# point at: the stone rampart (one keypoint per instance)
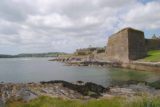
(126, 45)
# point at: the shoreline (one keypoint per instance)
(79, 90)
(135, 65)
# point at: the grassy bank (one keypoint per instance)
(153, 56)
(111, 102)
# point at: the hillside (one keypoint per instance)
(153, 56)
(49, 54)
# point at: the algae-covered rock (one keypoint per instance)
(155, 84)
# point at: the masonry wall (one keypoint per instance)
(117, 47)
(128, 44)
(152, 44)
(136, 43)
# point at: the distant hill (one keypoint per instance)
(49, 54)
(6, 56)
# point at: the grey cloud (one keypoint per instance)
(9, 28)
(64, 25)
(15, 11)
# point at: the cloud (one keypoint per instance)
(14, 10)
(144, 16)
(65, 25)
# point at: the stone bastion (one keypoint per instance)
(129, 44)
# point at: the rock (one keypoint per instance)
(2, 104)
(95, 88)
(82, 89)
(122, 91)
(155, 84)
(59, 88)
(26, 95)
(80, 82)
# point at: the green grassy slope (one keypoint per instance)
(153, 56)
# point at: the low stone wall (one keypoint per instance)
(142, 66)
(152, 44)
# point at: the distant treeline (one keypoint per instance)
(49, 54)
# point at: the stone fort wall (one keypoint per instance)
(129, 44)
(117, 47)
(136, 44)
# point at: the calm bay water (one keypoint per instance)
(40, 69)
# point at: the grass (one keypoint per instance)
(153, 56)
(144, 102)
(110, 102)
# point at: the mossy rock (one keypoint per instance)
(155, 84)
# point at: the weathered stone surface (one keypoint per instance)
(117, 47)
(125, 45)
(26, 95)
(85, 89)
(122, 91)
(1, 103)
(136, 44)
(155, 84)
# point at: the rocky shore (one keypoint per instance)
(78, 90)
(84, 61)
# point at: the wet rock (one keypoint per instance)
(80, 82)
(95, 88)
(155, 84)
(85, 89)
(80, 90)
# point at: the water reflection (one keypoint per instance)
(122, 75)
(40, 69)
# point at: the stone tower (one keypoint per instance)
(126, 45)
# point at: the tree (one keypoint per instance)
(154, 37)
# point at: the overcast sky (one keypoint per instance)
(65, 25)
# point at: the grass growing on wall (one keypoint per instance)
(110, 102)
(153, 56)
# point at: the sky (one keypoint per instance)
(28, 26)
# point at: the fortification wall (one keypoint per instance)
(152, 44)
(126, 45)
(136, 43)
(117, 47)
